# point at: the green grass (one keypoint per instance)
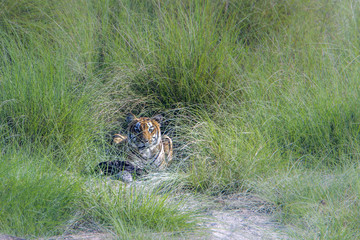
(40, 199)
(323, 206)
(132, 212)
(36, 197)
(258, 96)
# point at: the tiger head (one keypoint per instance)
(143, 132)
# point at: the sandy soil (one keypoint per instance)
(240, 217)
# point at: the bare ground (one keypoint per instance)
(242, 216)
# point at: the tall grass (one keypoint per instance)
(50, 92)
(260, 96)
(183, 52)
(53, 114)
(296, 128)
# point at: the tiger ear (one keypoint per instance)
(130, 117)
(159, 118)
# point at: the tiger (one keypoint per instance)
(144, 147)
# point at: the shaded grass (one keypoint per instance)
(183, 52)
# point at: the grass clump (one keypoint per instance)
(324, 204)
(36, 198)
(136, 213)
(45, 98)
(182, 52)
(220, 163)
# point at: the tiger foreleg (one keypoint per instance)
(168, 149)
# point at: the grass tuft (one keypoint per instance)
(36, 198)
(132, 213)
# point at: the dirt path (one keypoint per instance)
(233, 217)
(240, 217)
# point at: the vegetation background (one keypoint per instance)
(259, 96)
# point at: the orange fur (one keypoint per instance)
(145, 146)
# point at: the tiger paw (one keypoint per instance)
(124, 176)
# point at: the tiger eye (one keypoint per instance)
(137, 127)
